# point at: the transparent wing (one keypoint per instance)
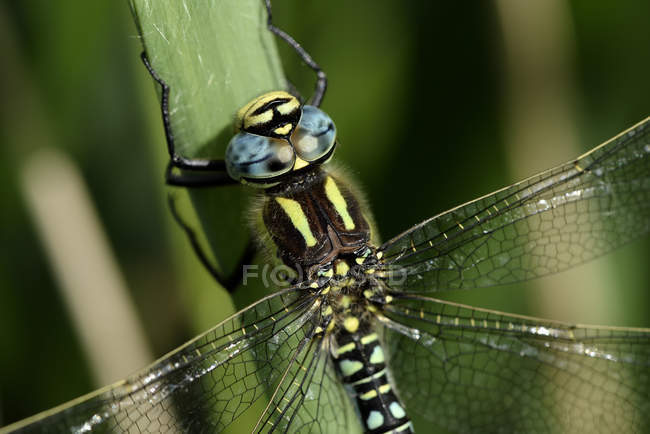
(310, 398)
(210, 381)
(547, 223)
(474, 370)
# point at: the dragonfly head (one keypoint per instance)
(276, 136)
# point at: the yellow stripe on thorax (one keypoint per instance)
(336, 198)
(298, 219)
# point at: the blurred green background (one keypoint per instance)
(435, 105)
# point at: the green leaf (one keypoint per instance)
(216, 56)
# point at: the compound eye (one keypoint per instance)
(258, 157)
(315, 134)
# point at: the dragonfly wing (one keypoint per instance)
(310, 398)
(204, 385)
(475, 370)
(545, 224)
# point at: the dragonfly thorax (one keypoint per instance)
(312, 220)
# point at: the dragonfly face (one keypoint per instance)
(277, 136)
(359, 343)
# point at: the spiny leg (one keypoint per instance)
(231, 282)
(194, 179)
(176, 159)
(321, 77)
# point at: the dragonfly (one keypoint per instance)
(356, 340)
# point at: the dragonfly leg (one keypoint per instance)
(177, 160)
(230, 282)
(197, 179)
(321, 77)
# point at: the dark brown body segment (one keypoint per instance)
(330, 235)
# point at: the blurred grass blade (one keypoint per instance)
(89, 278)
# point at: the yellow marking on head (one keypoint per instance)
(359, 260)
(318, 330)
(368, 395)
(388, 298)
(351, 324)
(328, 311)
(384, 388)
(300, 163)
(377, 355)
(370, 271)
(342, 268)
(345, 349)
(288, 106)
(368, 293)
(369, 338)
(283, 130)
(262, 118)
(258, 102)
(314, 285)
(379, 255)
(336, 198)
(298, 219)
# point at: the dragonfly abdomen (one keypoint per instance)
(359, 359)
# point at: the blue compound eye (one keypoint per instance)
(315, 134)
(257, 157)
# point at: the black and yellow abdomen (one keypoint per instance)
(359, 359)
